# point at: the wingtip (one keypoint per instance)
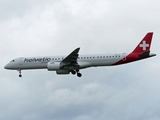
(78, 48)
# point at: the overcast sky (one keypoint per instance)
(57, 27)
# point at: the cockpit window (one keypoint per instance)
(12, 60)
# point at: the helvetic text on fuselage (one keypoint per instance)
(41, 60)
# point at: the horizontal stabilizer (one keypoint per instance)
(144, 54)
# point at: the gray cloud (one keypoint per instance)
(33, 28)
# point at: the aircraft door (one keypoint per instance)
(123, 56)
(21, 61)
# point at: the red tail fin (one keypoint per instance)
(145, 44)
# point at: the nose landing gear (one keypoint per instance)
(20, 75)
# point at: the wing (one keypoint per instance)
(71, 59)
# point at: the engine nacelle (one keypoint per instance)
(61, 72)
(53, 66)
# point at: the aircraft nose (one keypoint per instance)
(6, 66)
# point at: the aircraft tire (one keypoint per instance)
(73, 72)
(79, 74)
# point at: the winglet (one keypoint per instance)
(145, 44)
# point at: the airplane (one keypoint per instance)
(74, 62)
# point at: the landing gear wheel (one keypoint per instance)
(20, 75)
(73, 72)
(79, 74)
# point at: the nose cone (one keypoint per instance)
(6, 67)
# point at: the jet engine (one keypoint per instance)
(53, 66)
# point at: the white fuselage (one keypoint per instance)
(84, 61)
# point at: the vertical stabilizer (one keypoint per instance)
(145, 44)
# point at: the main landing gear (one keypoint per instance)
(20, 75)
(77, 71)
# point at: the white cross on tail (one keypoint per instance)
(144, 45)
